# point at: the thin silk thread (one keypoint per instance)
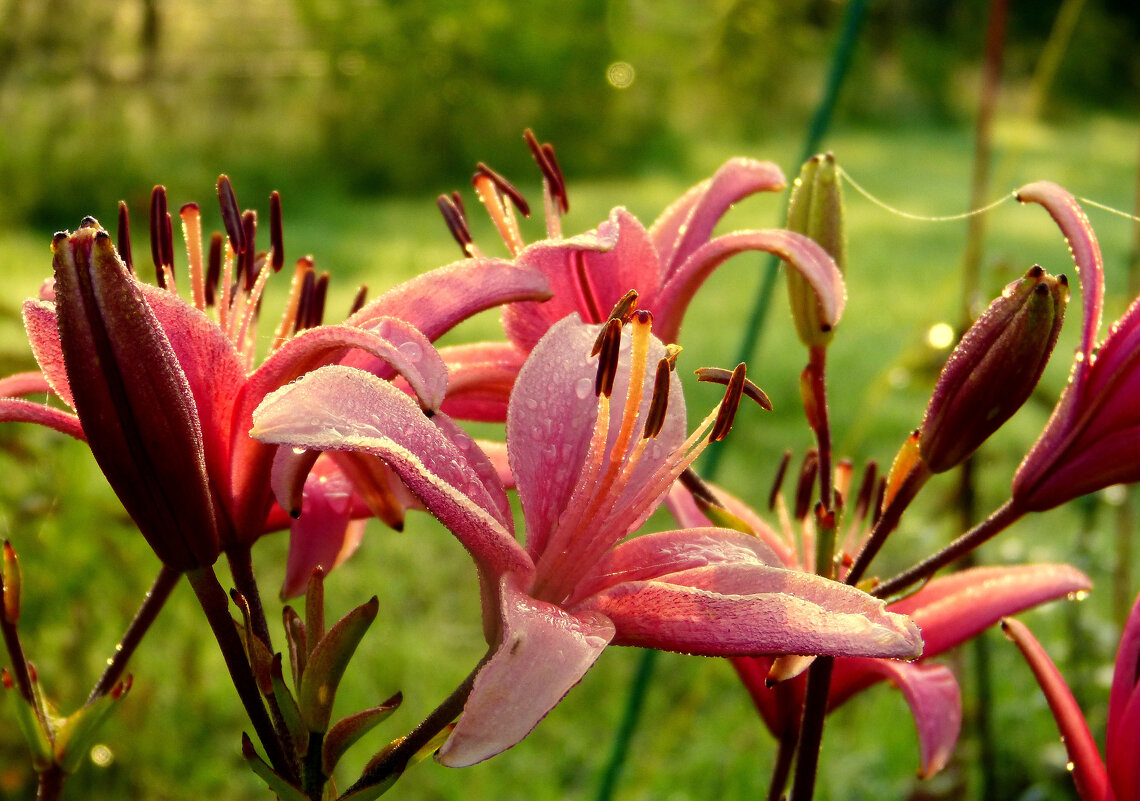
(846, 176)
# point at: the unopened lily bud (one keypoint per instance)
(141, 424)
(815, 209)
(993, 369)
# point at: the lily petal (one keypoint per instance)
(436, 301)
(551, 419)
(588, 274)
(479, 379)
(661, 554)
(544, 652)
(750, 610)
(932, 693)
(954, 608)
(341, 408)
(17, 410)
(42, 325)
(1123, 707)
(1088, 770)
(800, 252)
(689, 222)
(324, 535)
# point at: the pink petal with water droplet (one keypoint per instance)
(341, 408)
(689, 222)
(588, 274)
(543, 653)
(800, 252)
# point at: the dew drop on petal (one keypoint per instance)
(411, 351)
(531, 404)
(584, 388)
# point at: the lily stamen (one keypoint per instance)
(659, 404)
(231, 214)
(214, 268)
(454, 216)
(494, 190)
(778, 482)
(554, 196)
(124, 237)
(276, 234)
(608, 347)
(624, 308)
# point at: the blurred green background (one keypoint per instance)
(360, 113)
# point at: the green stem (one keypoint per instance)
(888, 521)
(997, 522)
(785, 753)
(49, 784)
(396, 760)
(215, 604)
(241, 568)
(811, 730)
(155, 599)
(634, 704)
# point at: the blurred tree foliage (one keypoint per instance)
(101, 98)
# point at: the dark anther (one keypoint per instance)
(168, 241)
(880, 494)
(625, 307)
(598, 342)
(1063, 280)
(805, 485)
(213, 267)
(729, 405)
(544, 156)
(719, 375)
(779, 480)
(659, 403)
(88, 222)
(585, 288)
(863, 500)
(157, 228)
(429, 413)
(246, 257)
(102, 236)
(608, 347)
(702, 493)
(276, 237)
(305, 301)
(504, 186)
(456, 222)
(317, 307)
(1036, 271)
(358, 300)
(231, 216)
(124, 237)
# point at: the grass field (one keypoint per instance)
(177, 736)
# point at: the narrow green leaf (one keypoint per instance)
(327, 662)
(77, 734)
(348, 731)
(295, 637)
(11, 584)
(284, 789)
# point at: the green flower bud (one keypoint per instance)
(993, 369)
(815, 209)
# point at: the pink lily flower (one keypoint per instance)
(1093, 435)
(594, 444)
(589, 273)
(948, 610)
(1117, 776)
(163, 388)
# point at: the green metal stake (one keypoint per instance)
(821, 120)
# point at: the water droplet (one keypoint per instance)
(1079, 595)
(530, 403)
(583, 388)
(1069, 766)
(411, 351)
(314, 421)
(298, 451)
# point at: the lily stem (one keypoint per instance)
(888, 521)
(785, 753)
(215, 604)
(49, 785)
(997, 522)
(815, 403)
(241, 568)
(152, 603)
(395, 761)
(811, 729)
